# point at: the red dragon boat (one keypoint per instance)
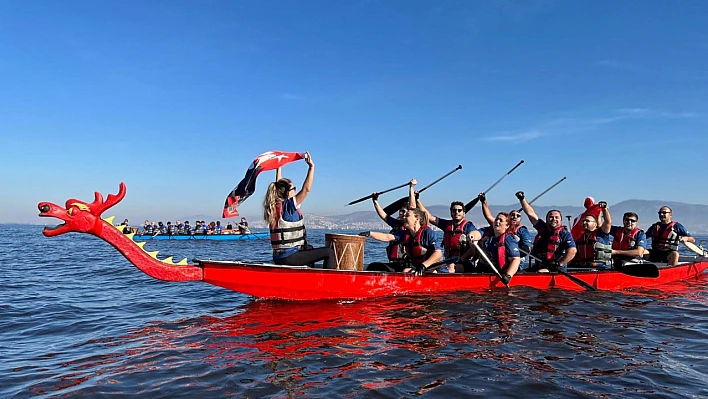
(298, 283)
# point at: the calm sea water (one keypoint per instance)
(79, 320)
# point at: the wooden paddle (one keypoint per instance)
(570, 276)
(695, 248)
(489, 262)
(398, 204)
(378, 193)
(474, 202)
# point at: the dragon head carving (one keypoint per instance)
(79, 216)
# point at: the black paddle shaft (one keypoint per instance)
(398, 204)
(474, 202)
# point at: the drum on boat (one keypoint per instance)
(348, 250)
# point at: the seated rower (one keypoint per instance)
(665, 238)
(420, 243)
(455, 232)
(518, 231)
(629, 242)
(500, 246)
(553, 244)
(396, 251)
(243, 227)
(594, 249)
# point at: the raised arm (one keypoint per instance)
(431, 218)
(485, 209)
(307, 184)
(526, 207)
(411, 193)
(278, 174)
(377, 206)
(606, 217)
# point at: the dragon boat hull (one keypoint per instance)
(302, 283)
(213, 237)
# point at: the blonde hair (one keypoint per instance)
(277, 192)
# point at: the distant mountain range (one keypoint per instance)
(694, 217)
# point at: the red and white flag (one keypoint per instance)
(266, 161)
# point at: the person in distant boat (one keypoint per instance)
(281, 210)
(455, 232)
(499, 245)
(518, 231)
(395, 251)
(553, 244)
(419, 240)
(217, 227)
(147, 227)
(628, 242)
(665, 238)
(161, 229)
(187, 228)
(179, 227)
(243, 227)
(171, 229)
(229, 227)
(594, 248)
(126, 227)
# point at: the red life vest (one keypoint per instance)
(668, 240)
(451, 239)
(624, 241)
(586, 247)
(546, 243)
(501, 247)
(396, 251)
(415, 251)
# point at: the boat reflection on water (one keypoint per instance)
(402, 346)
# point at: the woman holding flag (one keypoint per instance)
(281, 209)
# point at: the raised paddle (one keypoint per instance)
(474, 202)
(489, 262)
(570, 276)
(544, 192)
(379, 193)
(395, 206)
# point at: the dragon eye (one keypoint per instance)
(44, 208)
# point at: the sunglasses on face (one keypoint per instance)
(664, 213)
(292, 188)
(630, 220)
(455, 210)
(515, 215)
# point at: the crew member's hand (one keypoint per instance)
(365, 233)
(520, 195)
(413, 182)
(482, 197)
(418, 269)
(602, 204)
(374, 196)
(308, 159)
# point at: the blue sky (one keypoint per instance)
(176, 99)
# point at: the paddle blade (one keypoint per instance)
(648, 270)
(471, 204)
(395, 206)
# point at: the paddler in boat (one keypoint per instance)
(500, 246)
(395, 251)
(243, 227)
(553, 243)
(628, 241)
(594, 249)
(519, 231)
(281, 210)
(665, 237)
(455, 232)
(420, 242)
